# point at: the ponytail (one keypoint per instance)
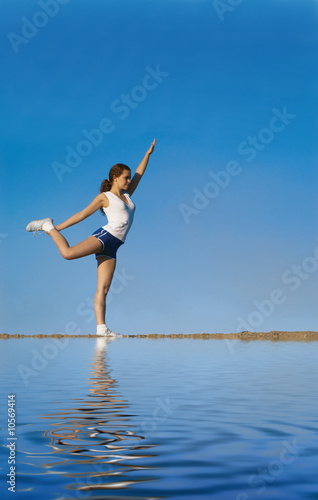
(105, 186)
(115, 171)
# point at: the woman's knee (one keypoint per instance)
(103, 290)
(67, 253)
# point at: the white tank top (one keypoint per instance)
(120, 216)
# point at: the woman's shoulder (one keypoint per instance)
(104, 198)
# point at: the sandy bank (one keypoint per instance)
(274, 335)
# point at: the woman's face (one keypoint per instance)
(123, 180)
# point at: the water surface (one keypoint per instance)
(164, 418)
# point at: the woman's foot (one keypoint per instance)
(40, 225)
(106, 332)
(110, 333)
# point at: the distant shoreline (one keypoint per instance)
(274, 335)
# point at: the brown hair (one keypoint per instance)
(115, 171)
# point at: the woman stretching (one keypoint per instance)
(115, 202)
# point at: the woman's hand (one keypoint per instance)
(152, 147)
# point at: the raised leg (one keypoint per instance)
(87, 247)
(105, 271)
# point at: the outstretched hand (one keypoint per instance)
(152, 147)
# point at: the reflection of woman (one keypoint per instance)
(94, 440)
(114, 200)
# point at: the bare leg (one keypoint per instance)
(105, 271)
(87, 247)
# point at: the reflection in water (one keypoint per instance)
(96, 440)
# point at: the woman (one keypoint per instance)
(115, 202)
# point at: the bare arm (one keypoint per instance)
(140, 170)
(98, 202)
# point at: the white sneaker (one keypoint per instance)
(36, 225)
(108, 333)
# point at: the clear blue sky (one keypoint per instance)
(222, 89)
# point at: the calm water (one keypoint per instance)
(166, 418)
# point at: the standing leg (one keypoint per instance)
(87, 247)
(105, 271)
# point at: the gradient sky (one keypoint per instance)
(236, 89)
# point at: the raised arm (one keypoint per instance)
(140, 170)
(98, 202)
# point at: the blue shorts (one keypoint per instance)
(110, 243)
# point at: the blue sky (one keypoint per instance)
(235, 91)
